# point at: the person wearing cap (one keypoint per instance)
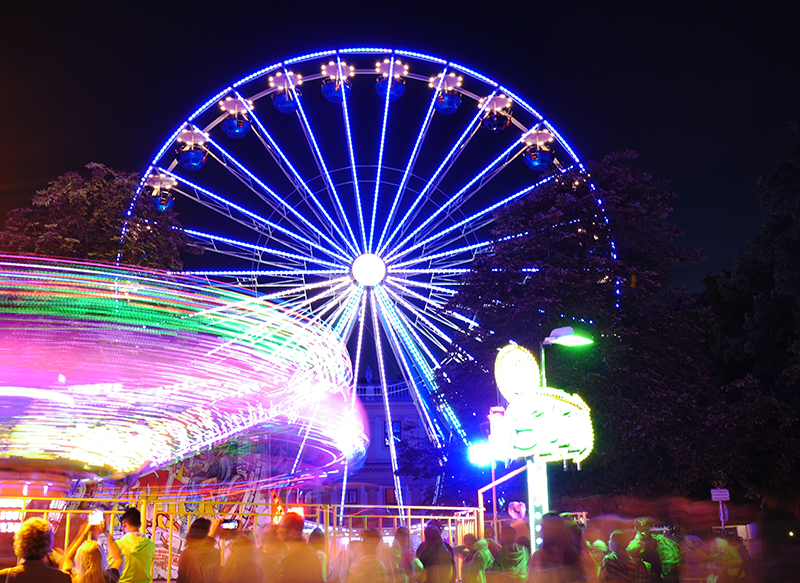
(32, 543)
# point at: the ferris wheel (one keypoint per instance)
(358, 184)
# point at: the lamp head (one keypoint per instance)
(566, 337)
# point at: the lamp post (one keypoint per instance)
(540, 424)
(564, 337)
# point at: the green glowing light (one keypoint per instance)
(573, 340)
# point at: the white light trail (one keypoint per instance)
(388, 99)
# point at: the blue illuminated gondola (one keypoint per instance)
(192, 158)
(496, 121)
(447, 102)
(398, 87)
(336, 91)
(162, 200)
(236, 126)
(538, 159)
(285, 102)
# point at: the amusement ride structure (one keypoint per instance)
(111, 371)
(358, 185)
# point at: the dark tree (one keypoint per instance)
(83, 217)
(648, 379)
(755, 339)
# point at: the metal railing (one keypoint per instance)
(166, 521)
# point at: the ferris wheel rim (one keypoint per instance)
(401, 265)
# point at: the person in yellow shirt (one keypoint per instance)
(138, 551)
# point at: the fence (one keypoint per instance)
(166, 522)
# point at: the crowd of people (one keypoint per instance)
(567, 553)
(130, 557)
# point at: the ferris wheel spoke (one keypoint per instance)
(343, 324)
(454, 204)
(440, 307)
(300, 292)
(387, 409)
(412, 158)
(478, 215)
(302, 447)
(421, 401)
(356, 367)
(214, 243)
(267, 194)
(352, 157)
(441, 294)
(247, 218)
(288, 169)
(424, 369)
(341, 305)
(443, 255)
(480, 179)
(312, 141)
(387, 100)
(444, 291)
(331, 291)
(439, 174)
(430, 330)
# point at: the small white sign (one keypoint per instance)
(720, 494)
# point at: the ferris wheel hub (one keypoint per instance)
(368, 269)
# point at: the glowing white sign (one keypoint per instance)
(543, 422)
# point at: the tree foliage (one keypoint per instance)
(661, 418)
(83, 217)
(755, 338)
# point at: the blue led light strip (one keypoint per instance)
(302, 289)
(351, 153)
(436, 304)
(422, 284)
(418, 313)
(283, 203)
(344, 324)
(483, 212)
(423, 368)
(266, 273)
(390, 430)
(472, 73)
(301, 111)
(413, 158)
(335, 302)
(309, 56)
(343, 282)
(423, 407)
(255, 217)
(258, 73)
(386, 102)
(422, 56)
(453, 198)
(455, 149)
(305, 438)
(448, 271)
(357, 363)
(300, 258)
(443, 254)
(292, 169)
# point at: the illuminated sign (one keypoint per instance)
(543, 422)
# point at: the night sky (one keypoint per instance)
(702, 91)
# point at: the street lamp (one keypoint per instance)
(563, 337)
(540, 424)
